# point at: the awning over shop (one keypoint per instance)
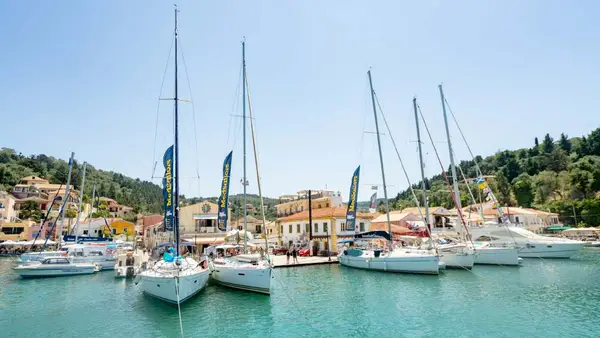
(206, 240)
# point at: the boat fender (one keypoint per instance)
(345, 252)
(204, 264)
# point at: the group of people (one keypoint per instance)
(293, 253)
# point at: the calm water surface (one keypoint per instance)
(549, 298)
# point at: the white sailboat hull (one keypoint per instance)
(161, 281)
(457, 256)
(497, 256)
(399, 261)
(256, 278)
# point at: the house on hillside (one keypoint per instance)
(116, 209)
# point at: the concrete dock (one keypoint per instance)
(281, 261)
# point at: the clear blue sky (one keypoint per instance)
(84, 76)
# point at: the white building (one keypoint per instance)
(328, 226)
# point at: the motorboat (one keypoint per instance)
(174, 281)
(404, 260)
(592, 244)
(41, 255)
(128, 265)
(250, 272)
(529, 244)
(496, 255)
(54, 267)
(103, 255)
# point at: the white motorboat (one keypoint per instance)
(174, 282)
(244, 272)
(530, 245)
(54, 267)
(100, 254)
(592, 244)
(399, 260)
(487, 254)
(128, 265)
(40, 255)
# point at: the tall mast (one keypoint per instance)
(92, 207)
(80, 201)
(424, 187)
(452, 166)
(387, 206)
(244, 136)
(262, 204)
(65, 200)
(176, 146)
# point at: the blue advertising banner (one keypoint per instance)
(168, 189)
(351, 212)
(224, 197)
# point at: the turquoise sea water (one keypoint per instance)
(543, 298)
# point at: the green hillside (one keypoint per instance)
(556, 175)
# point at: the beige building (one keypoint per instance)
(116, 209)
(291, 204)
(329, 226)
(7, 208)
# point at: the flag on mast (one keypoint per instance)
(351, 212)
(224, 197)
(168, 189)
(373, 203)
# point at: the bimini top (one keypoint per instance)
(374, 234)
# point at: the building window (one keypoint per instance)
(298, 228)
(361, 227)
(114, 231)
(516, 219)
(307, 228)
(281, 229)
(327, 205)
(319, 206)
(343, 227)
(290, 228)
(316, 227)
(325, 229)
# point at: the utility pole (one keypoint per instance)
(310, 226)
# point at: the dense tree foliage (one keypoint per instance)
(143, 196)
(562, 176)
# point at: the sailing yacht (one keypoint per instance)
(395, 259)
(250, 272)
(174, 279)
(485, 253)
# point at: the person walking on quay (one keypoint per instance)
(288, 256)
(295, 255)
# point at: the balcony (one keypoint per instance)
(207, 230)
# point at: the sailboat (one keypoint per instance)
(251, 272)
(395, 259)
(455, 253)
(485, 253)
(173, 279)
